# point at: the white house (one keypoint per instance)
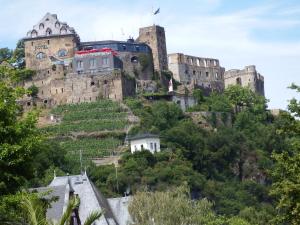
(149, 142)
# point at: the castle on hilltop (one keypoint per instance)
(71, 71)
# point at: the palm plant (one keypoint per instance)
(35, 212)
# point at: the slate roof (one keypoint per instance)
(91, 199)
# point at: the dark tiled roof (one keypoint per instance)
(142, 136)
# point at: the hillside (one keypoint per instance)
(97, 128)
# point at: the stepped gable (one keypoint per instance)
(49, 25)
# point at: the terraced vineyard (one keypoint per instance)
(96, 129)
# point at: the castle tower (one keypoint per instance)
(49, 41)
(248, 77)
(155, 37)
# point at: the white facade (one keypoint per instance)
(152, 144)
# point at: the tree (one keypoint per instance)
(35, 212)
(19, 140)
(5, 54)
(286, 178)
(33, 90)
(175, 208)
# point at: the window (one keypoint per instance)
(155, 147)
(124, 47)
(92, 62)
(207, 74)
(105, 61)
(142, 147)
(137, 48)
(41, 26)
(134, 59)
(217, 76)
(41, 55)
(238, 81)
(57, 24)
(194, 72)
(34, 33)
(62, 53)
(198, 62)
(48, 41)
(151, 146)
(48, 31)
(63, 30)
(79, 64)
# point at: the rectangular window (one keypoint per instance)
(92, 62)
(151, 146)
(79, 64)
(207, 74)
(105, 61)
(155, 147)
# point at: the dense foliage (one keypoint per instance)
(230, 165)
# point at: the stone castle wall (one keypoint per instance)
(201, 72)
(248, 77)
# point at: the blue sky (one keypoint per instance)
(265, 33)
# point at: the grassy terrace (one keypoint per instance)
(84, 119)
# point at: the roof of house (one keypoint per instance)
(91, 199)
(142, 136)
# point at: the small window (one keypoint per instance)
(155, 147)
(105, 61)
(198, 62)
(41, 26)
(62, 53)
(194, 72)
(63, 30)
(124, 47)
(207, 74)
(217, 76)
(238, 81)
(34, 33)
(41, 55)
(48, 31)
(151, 146)
(48, 41)
(137, 48)
(92, 83)
(105, 81)
(57, 24)
(134, 59)
(79, 64)
(92, 62)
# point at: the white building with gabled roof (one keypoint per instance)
(150, 142)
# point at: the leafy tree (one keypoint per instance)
(19, 140)
(33, 90)
(5, 54)
(175, 207)
(286, 184)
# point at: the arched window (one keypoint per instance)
(62, 53)
(198, 62)
(41, 55)
(48, 31)
(63, 30)
(134, 59)
(238, 81)
(57, 24)
(34, 33)
(41, 26)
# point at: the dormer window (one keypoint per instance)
(48, 31)
(63, 30)
(41, 27)
(34, 33)
(57, 24)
